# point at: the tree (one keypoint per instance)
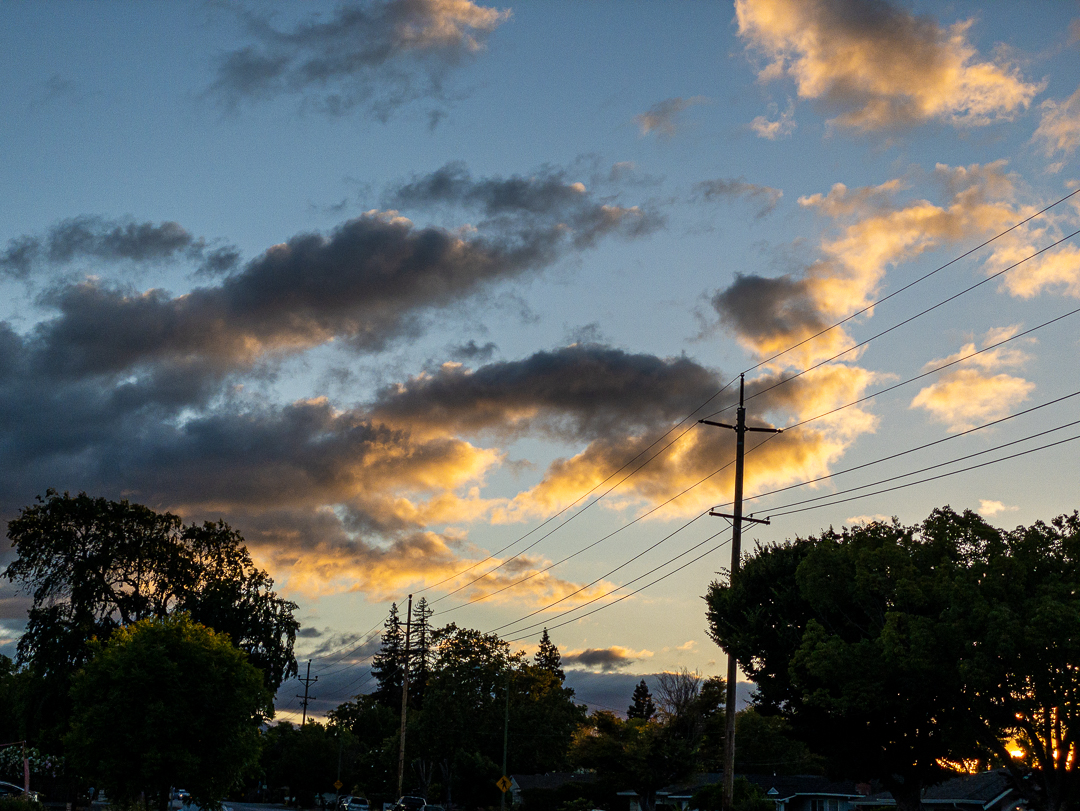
(642, 755)
(167, 702)
(420, 653)
(92, 565)
(304, 759)
(641, 705)
(387, 665)
(896, 650)
(548, 658)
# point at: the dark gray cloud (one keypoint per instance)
(108, 241)
(378, 55)
(472, 351)
(309, 632)
(726, 189)
(760, 307)
(584, 391)
(603, 659)
(549, 196)
(372, 280)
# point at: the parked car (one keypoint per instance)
(357, 804)
(410, 803)
(12, 790)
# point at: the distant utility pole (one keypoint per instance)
(307, 681)
(737, 519)
(404, 698)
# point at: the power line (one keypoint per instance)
(606, 594)
(897, 326)
(601, 577)
(933, 478)
(925, 469)
(909, 450)
(909, 285)
(631, 594)
(587, 506)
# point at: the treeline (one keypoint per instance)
(467, 689)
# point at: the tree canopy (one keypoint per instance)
(896, 650)
(167, 702)
(93, 565)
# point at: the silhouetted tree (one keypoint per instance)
(387, 665)
(641, 705)
(548, 658)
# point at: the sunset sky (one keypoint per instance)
(426, 296)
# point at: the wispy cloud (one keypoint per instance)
(878, 65)
(776, 124)
(378, 55)
(730, 188)
(1059, 129)
(989, 508)
(663, 118)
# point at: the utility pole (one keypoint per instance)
(307, 682)
(506, 740)
(404, 698)
(737, 519)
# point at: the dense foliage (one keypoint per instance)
(92, 566)
(898, 650)
(167, 702)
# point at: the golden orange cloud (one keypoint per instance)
(969, 395)
(880, 66)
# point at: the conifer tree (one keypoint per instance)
(420, 653)
(387, 664)
(642, 706)
(548, 658)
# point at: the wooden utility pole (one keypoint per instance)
(737, 519)
(404, 698)
(308, 681)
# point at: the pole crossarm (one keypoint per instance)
(742, 518)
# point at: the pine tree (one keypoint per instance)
(387, 664)
(420, 652)
(643, 706)
(548, 658)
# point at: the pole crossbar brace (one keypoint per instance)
(743, 518)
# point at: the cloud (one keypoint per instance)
(1059, 129)
(375, 55)
(96, 239)
(765, 196)
(880, 66)
(663, 117)
(964, 396)
(605, 659)
(370, 281)
(989, 508)
(547, 199)
(775, 127)
(874, 231)
(876, 518)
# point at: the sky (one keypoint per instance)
(427, 296)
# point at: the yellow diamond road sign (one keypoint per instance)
(504, 784)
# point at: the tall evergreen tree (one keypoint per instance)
(420, 652)
(386, 667)
(548, 658)
(642, 706)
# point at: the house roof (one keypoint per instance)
(970, 789)
(780, 787)
(551, 780)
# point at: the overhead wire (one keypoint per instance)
(903, 323)
(911, 284)
(593, 489)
